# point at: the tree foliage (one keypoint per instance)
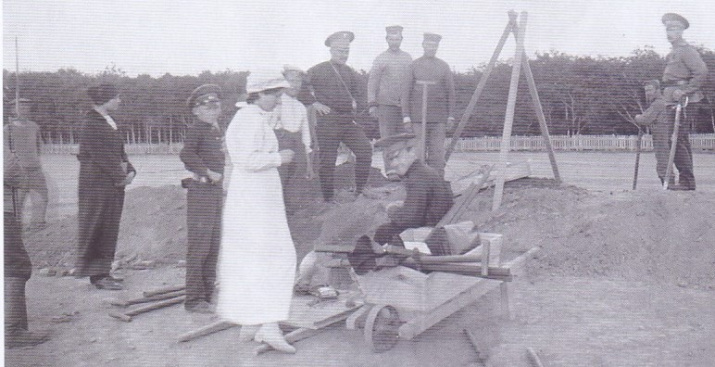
(579, 95)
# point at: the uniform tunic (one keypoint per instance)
(684, 70)
(428, 199)
(257, 260)
(440, 97)
(203, 150)
(384, 89)
(101, 198)
(26, 143)
(339, 125)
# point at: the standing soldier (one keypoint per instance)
(385, 82)
(204, 155)
(27, 142)
(437, 78)
(335, 91)
(17, 266)
(684, 75)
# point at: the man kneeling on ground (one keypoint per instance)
(429, 196)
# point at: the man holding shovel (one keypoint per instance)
(684, 75)
(428, 102)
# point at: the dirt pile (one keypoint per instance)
(637, 235)
(152, 232)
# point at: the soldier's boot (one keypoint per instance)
(16, 331)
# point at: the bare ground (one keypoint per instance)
(624, 278)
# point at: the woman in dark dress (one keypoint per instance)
(104, 172)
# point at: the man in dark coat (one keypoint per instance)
(16, 262)
(429, 196)
(335, 97)
(204, 155)
(441, 100)
(104, 171)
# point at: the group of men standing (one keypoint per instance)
(394, 96)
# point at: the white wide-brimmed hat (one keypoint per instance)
(260, 81)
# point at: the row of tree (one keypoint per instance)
(579, 95)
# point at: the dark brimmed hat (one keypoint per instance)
(203, 94)
(389, 141)
(102, 93)
(673, 18)
(432, 37)
(340, 39)
(394, 30)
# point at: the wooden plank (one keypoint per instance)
(158, 297)
(206, 330)
(162, 290)
(509, 115)
(310, 313)
(426, 320)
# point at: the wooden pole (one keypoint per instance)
(540, 115)
(423, 140)
(638, 157)
(206, 330)
(172, 288)
(480, 86)
(509, 118)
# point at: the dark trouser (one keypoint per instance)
(17, 270)
(37, 184)
(292, 141)
(390, 120)
(331, 130)
(662, 134)
(204, 202)
(100, 210)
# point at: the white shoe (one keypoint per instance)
(272, 335)
(248, 332)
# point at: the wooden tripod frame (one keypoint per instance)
(520, 58)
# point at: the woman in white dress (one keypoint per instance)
(257, 259)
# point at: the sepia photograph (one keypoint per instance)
(486, 183)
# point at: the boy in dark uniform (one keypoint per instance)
(204, 155)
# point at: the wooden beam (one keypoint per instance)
(162, 290)
(509, 116)
(541, 117)
(480, 86)
(206, 330)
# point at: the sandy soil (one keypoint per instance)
(624, 278)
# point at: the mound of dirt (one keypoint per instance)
(636, 235)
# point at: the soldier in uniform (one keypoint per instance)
(440, 100)
(385, 83)
(26, 141)
(335, 96)
(204, 155)
(17, 265)
(685, 73)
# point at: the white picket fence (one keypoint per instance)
(702, 142)
(699, 142)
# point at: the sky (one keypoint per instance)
(186, 37)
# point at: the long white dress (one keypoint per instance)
(257, 259)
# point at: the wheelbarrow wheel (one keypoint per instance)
(382, 328)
